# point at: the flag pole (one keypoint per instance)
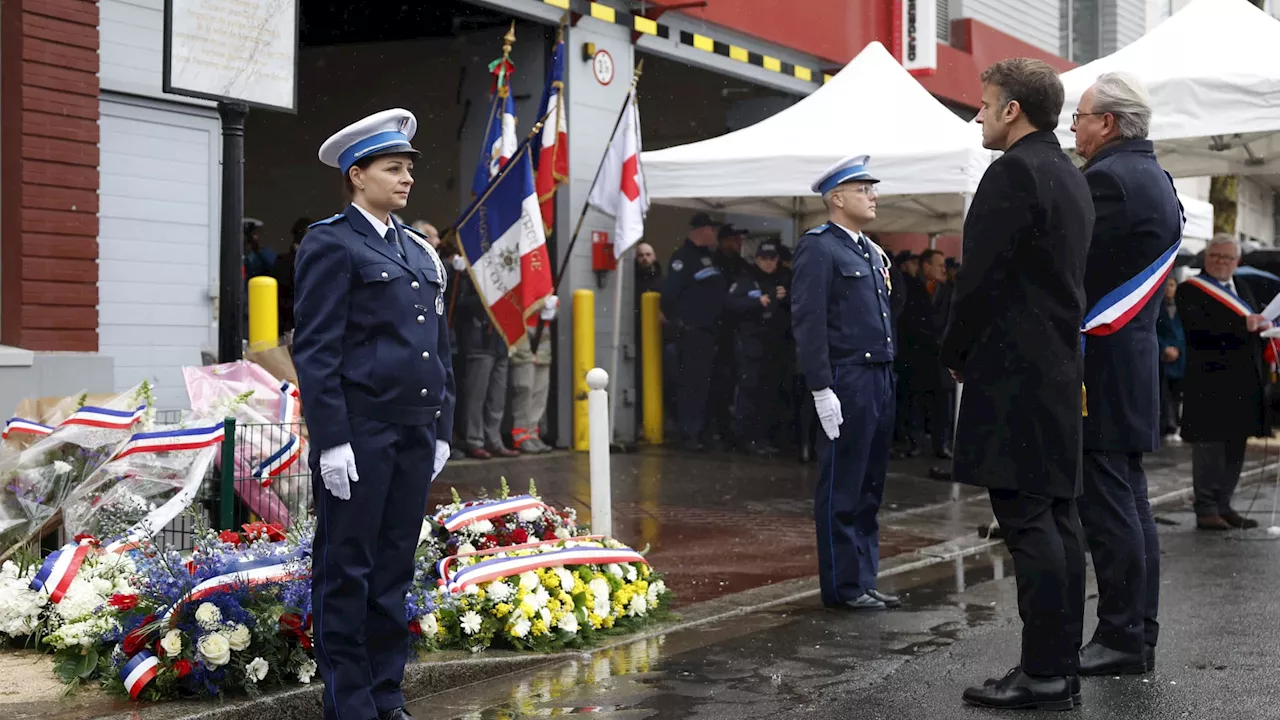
(582, 216)
(615, 397)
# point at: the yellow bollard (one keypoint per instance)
(264, 313)
(651, 368)
(584, 358)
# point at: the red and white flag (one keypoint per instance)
(553, 154)
(620, 191)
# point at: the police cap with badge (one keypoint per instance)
(383, 133)
(850, 169)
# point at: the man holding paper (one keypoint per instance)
(1224, 389)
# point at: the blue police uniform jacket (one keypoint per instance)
(1137, 218)
(371, 337)
(694, 293)
(840, 312)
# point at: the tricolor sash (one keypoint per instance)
(1115, 309)
(140, 670)
(1232, 302)
(290, 410)
(60, 568)
(171, 440)
(105, 417)
(260, 571)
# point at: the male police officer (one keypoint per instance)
(372, 353)
(692, 299)
(758, 299)
(844, 335)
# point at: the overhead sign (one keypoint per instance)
(243, 51)
(915, 35)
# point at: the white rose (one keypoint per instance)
(563, 534)
(239, 637)
(484, 527)
(306, 671)
(209, 616)
(214, 649)
(256, 670)
(530, 515)
(172, 643)
(529, 581)
(430, 626)
(466, 548)
(521, 628)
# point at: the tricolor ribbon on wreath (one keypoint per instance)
(248, 573)
(1223, 294)
(288, 453)
(1115, 309)
(88, 416)
(140, 670)
(501, 566)
(467, 516)
(60, 568)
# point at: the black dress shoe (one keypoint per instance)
(1076, 696)
(396, 714)
(1098, 659)
(890, 601)
(1019, 691)
(864, 603)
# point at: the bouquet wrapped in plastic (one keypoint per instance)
(35, 481)
(271, 473)
(148, 483)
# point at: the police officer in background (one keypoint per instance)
(372, 352)
(760, 304)
(692, 300)
(844, 334)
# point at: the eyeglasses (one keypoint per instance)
(868, 190)
(1220, 256)
(1075, 116)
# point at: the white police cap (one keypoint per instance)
(849, 169)
(383, 133)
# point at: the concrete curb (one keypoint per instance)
(459, 670)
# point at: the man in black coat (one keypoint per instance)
(1136, 234)
(1013, 339)
(924, 319)
(1223, 403)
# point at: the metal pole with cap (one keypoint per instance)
(231, 266)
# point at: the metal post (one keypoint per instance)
(651, 365)
(619, 276)
(264, 313)
(584, 358)
(226, 486)
(231, 285)
(598, 409)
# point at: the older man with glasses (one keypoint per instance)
(1225, 382)
(1136, 234)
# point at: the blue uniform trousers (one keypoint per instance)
(697, 355)
(1125, 545)
(851, 477)
(362, 565)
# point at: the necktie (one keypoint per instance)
(394, 241)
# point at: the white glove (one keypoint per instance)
(549, 308)
(338, 470)
(459, 263)
(828, 407)
(442, 456)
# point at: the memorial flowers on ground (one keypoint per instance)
(153, 623)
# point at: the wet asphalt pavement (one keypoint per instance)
(1220, 616)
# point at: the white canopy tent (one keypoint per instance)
(927, 158)
(1199, 226)
(1213, 71)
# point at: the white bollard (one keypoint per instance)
(598, 452)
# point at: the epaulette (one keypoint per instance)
(326, 221)
(819, 230)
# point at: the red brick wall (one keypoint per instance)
(49, 174)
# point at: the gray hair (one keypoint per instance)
(1222, 239)
(1122, 95)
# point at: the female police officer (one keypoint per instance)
(372, 354)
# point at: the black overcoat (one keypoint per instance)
(1014, 327)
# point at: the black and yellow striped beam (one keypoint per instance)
(645, 26)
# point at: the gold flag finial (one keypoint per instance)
(509, 39)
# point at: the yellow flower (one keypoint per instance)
(565, 599)
(527, 609)
(608, 622)
(480, 594)
(616, 609)
(644, 571)
(502, 610)
(595, 620)
(539, 627)
(578, 585)
(553, 605)
(550, 580)
(641, 587)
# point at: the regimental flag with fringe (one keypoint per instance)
(505, 244)
(500, 132)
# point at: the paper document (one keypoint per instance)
(1272, 310)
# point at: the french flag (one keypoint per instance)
(553, 150)
(499, 139)
(505, 245)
